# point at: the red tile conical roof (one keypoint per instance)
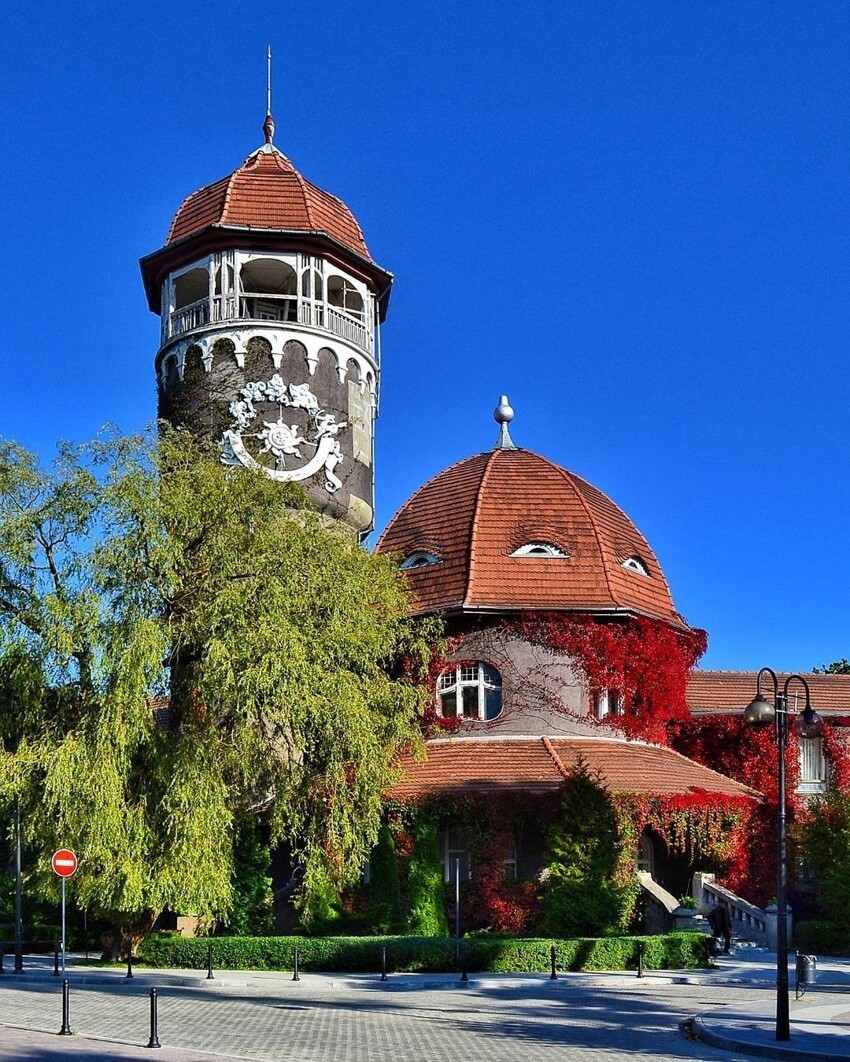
(473, 516)
(268, 193)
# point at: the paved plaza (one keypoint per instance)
(432, 1018)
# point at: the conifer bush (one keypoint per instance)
(384, 889)
(425, 886)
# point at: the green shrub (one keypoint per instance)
(425, 886)
(822, 938)
(427, 954)
(592, 886)
(384, 889)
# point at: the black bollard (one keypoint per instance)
(2, 957)
(55, 962)
(66, 1010)
(154, 1040)
(553, 976)
(130, 973)
(640, 958)
(464, 976)
(295, 976)
(384, 964)
(210, 974)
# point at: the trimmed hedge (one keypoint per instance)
(822, 938)
(427, 954)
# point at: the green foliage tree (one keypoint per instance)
(384, 888)
(822, 835)
(426, 889)
(140, 567)
(837, 667)
(591, 886)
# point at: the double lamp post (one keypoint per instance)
(808, 724)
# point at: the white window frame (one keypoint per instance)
(452, 852)
(814, 767)
(539, 549)
(606, 702)
(420, 559)
(459, 677)
(637, 565)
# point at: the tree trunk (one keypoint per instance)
(128, 931)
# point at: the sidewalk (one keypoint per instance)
(820, 1022)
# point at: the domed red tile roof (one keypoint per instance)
(473, 516)
(268, 193)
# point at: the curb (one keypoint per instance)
(707, 1035)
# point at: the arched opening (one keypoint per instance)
(312, 285)
(343, 295)
(268, 290)
(191, 287)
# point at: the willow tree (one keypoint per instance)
(138, 568)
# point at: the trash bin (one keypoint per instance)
(807, 971)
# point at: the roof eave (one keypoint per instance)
(615, 612)
(156, 265)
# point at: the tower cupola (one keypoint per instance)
(270, 306)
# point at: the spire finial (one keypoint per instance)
(268, 124)
(503, 415)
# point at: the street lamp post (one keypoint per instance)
(19, 955)
(761, 711)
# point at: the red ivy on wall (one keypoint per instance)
(647, 660)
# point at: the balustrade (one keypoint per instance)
(268, 308)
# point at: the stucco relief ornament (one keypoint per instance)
(283, 439)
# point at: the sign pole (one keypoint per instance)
(63, 927)
(64, 864)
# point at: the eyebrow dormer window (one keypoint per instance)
(635, 564)
(420, 559)
(538, 549)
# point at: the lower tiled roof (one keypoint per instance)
(540, 764)
(732, 691)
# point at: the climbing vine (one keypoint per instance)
(646, 660)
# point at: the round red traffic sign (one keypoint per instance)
(64, 862)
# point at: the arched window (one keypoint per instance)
(645, 855)
(470, 691)
(539, 549)
(420, 559)
(635, 564)
(343, 294)
(269, 290)
(312, 286)
(191, 287)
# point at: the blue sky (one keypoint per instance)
(631, 216)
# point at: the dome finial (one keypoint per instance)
(503, 415)
(268, 124)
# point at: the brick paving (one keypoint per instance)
(534, 1021)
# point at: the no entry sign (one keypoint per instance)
(64, 862)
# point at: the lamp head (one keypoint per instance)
(759, 711)
(808, 724)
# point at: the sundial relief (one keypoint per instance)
(279, 429)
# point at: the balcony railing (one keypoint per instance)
(261, 307)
